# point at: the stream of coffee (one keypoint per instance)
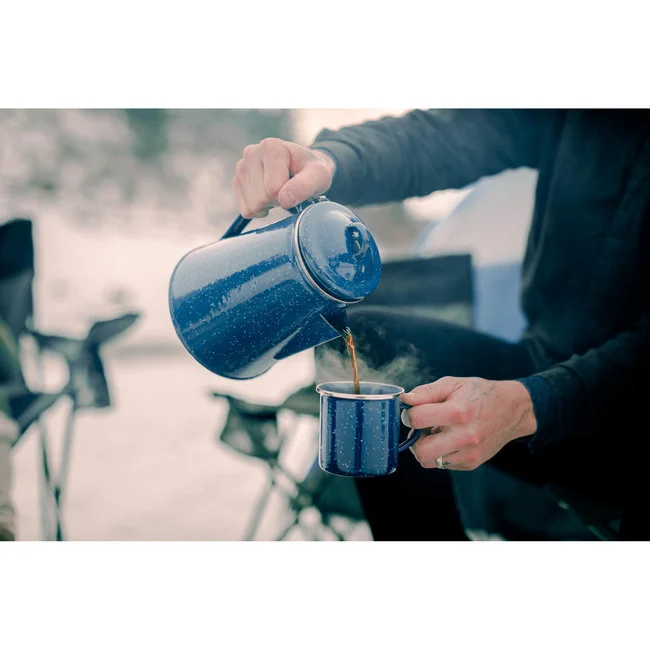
(339, 321)
(352, 353)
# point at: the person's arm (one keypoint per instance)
(395, 158)
(600, 392)
(602, 387)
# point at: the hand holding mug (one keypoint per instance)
(473, 419)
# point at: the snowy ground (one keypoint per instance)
(151, 468)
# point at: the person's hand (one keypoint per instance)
(275, 172)
(471, 420)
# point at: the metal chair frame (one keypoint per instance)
(299, 494)
(85, 367)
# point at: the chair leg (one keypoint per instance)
(46, 489)
(340, 537)
(63, 472)
(311, 532)
(51, 493)
(259, 511)
(288, 529)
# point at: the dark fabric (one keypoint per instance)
(16, 274)
(447, 294)
(16, 300)
(16, 247)
(333, 496)
(88, 381)
(416, 504)
(251, 429)
(544, 402)
(9, 355)
(585, 274)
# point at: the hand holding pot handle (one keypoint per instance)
(276, 172)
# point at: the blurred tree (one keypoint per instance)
(131, 166)
(149, 127)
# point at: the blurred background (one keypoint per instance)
(116, 197)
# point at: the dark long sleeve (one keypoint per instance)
(395, 158)
(602, 389)
(584, 271)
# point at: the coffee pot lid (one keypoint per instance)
(338, 251)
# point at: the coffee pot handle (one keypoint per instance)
(240, 223)
(236, 228)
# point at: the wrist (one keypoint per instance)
(326, 158)
(522, 409)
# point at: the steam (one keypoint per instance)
(404, 370)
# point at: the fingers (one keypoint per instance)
(248, 184)
(253, 186)
(240, 196)
(428, 448)
(443, 415)
(311, 179)
(476, 421)
(452, 446)
(438, 391)
(462, 461)
(263, 176)
(276, 161)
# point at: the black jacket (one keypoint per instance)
(585, 274)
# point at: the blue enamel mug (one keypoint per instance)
(359, 434)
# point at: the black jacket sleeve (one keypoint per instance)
(603, 391)
(395, 158)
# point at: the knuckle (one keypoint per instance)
(256, 206)
(240, 167)
(461, 415)
(272, 187)
(472, 437)
(250, 150)
(420, 454)
(269, 145)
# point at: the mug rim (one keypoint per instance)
(321, 390)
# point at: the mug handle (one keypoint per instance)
(413, 435)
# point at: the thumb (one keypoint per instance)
(311, 177)
(438, 391)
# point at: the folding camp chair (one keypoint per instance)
(16, 310)
(86, 387)
(254, 431)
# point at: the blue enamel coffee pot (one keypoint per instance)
(250, 299)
